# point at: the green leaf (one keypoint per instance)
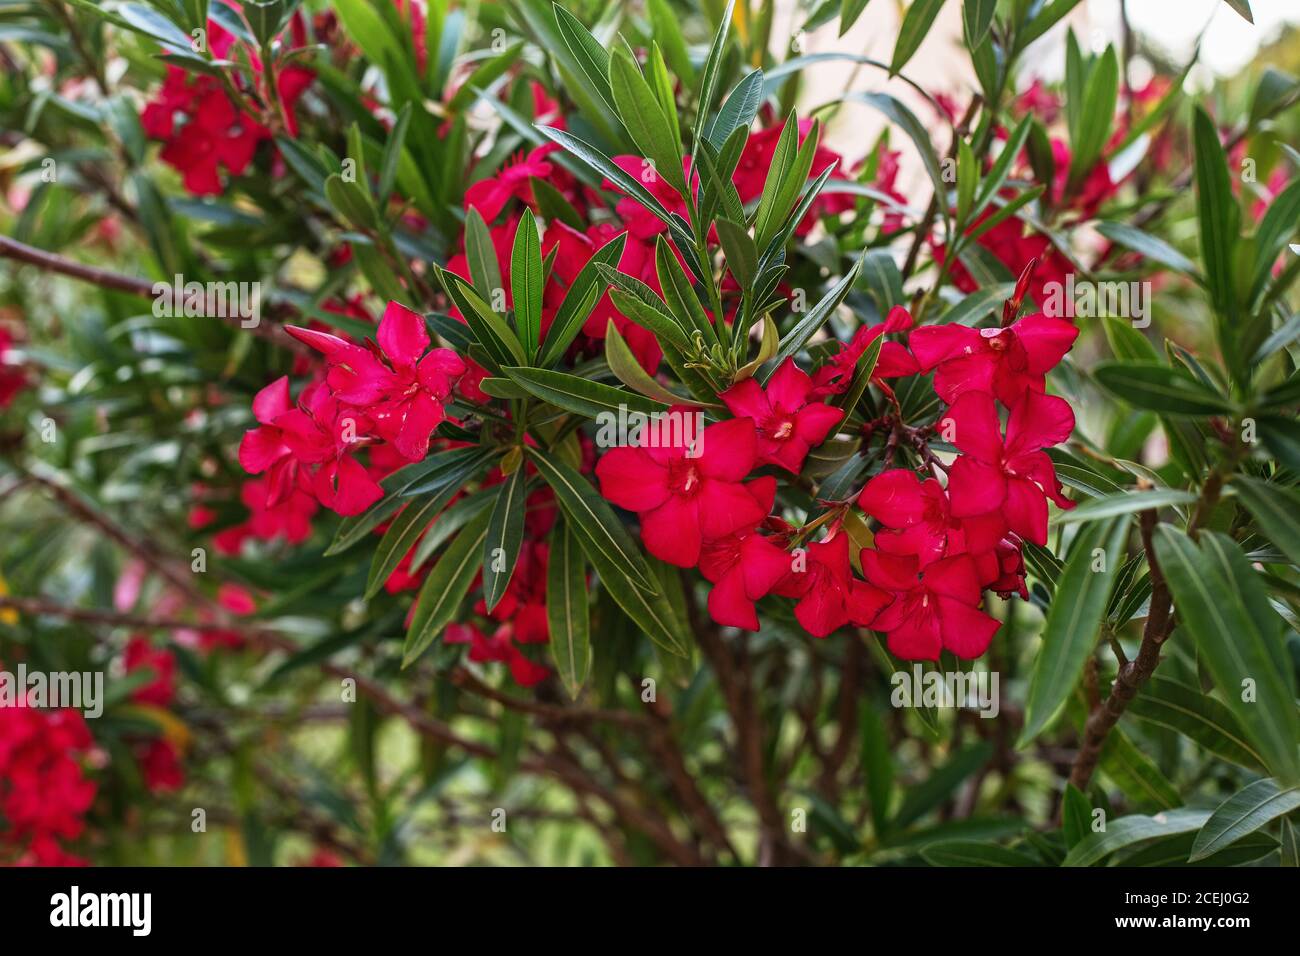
(742, 254)
(1126, 831)
(1159, 388)
(481, 254)
(916, 24)
(581, 298)
(505, 535)
(712, 72)
(490, 329)
(526, 283)
(1147, 245)
(1217, 213)
(621, 361)
(738, 111)
(1135, 773)
(1128, 344)
(592, 519)
(806, 327)
(977, 18)
(906, 120)
(451, 466)
(850, 10)
(352, 202)
(1198, 717)
(1222, 603)
(877, 765)
(591, 58)
(668, 33)
(579, 395)
(1073, 621)
(1242, 7)
(1277, 226)
(1124, 503)
(1089, 132)
(1076, 815)
(393, 154)
(567, 616)
(638, 108)
(402, 534)
(923, 797)
(1242, 814)
(1276, 510)
(443, 590)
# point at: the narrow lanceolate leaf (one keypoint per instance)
(489, 327)
(649, 609)
(1222, 604)
(1198, 717)
(1126, 831)
(481, 254)
(1088, 135)
(567, 616)
(1217, 212)
(580, 395)
(621, 361)
(526, 283)
(977, 17)
(742, 254)
(581, 298)
(505, 534)
(712, 71)
(806, 327)
(593, 520)
(1126, 502)
(1147, 245)
(1159, 388)
(790, 167)
(405, 529)
(1136, 774)
(591, 57)
(1076, 815)
(1242, 814)
(916, 24)
(1277, 226)
(446, 586)
(739, 110)
(1276, 510)
(434, 468)
(1070, 633)
(644, 119)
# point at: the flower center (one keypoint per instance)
(783, 430)
(684, 477)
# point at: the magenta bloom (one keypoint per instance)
(1014, 476)
(932, 609)
(309, 446)
(1007, 362)
(743, 566)
(684, 501)
(789, 425)
(402, 390)
(828, 594)
(918, 519)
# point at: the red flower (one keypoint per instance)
(499, 648)
(402, 390)
(829, 595)
(918, 520)
(789, 425)
(1014, 476)
(489, 196)
(933, 609)
(1006, 362)
(318, 433)
(160, 765)
(895, 361)
(161, 691)
(12, 376)
(743, 566)
(683, 501)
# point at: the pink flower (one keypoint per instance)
(933, 609)
(402, 390)
(789, 425)
(1006, 362)
(828, 594)
(918, 520)
(683, 501)
(1014, 476)
(743, 566)
(835, 377)
(489, 196)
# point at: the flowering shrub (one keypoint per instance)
(544, 389)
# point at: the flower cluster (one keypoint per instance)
(203, 130)
(939, 544)
(44, 790)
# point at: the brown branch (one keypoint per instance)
(143, 288)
